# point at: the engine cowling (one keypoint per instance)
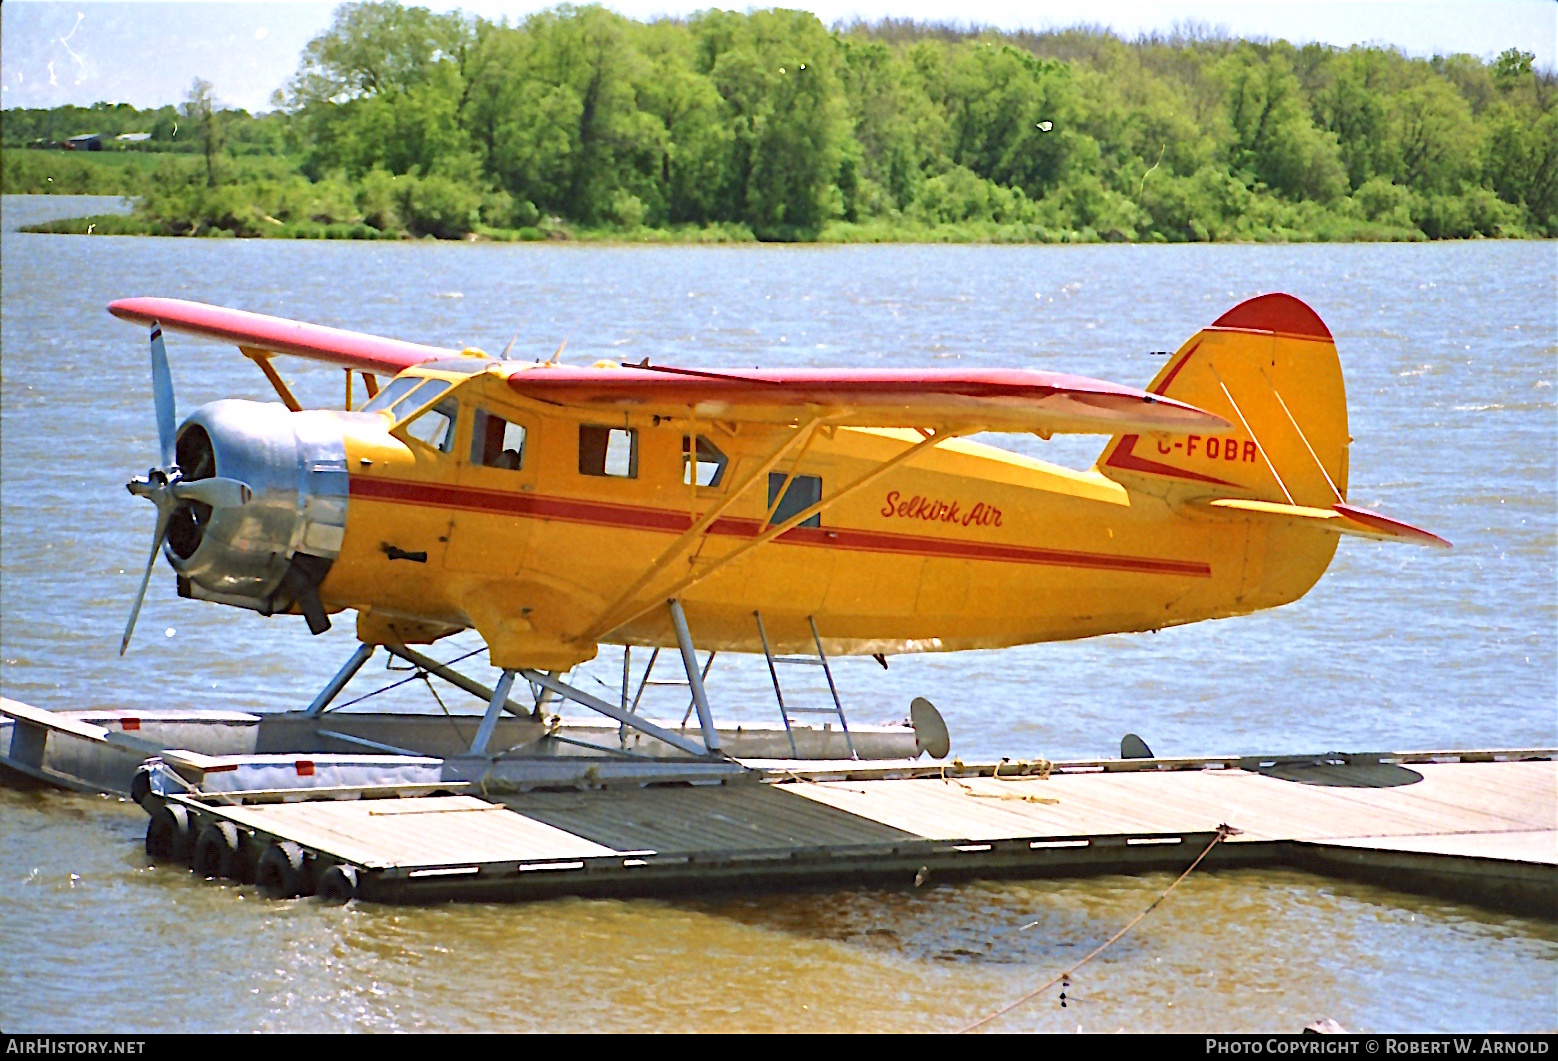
(272, 552)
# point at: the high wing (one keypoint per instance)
(1018, 400)
(357, 351)
(985, 399)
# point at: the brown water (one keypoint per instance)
(1451, 353)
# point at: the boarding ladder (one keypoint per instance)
(819, 660)
(649, 681)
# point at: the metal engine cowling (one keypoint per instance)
(273, 551)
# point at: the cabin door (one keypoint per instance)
(494, 501)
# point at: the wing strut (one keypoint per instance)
(679, 547)
(262, 358)
(633, 611)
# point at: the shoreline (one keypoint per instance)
(841, 234)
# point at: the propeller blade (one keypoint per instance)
(162, 394)
(216, 492)
(164, 515)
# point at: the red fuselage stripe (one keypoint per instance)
(603, 514)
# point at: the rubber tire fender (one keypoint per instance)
(338, 884)
(170, 834)
(217, 851)
(282, 872)
(140, 786)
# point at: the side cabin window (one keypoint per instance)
(496, 442)
(608, 451)
(805, 491)
(436, 425)
(707, 468)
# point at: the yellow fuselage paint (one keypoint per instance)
(963, 546)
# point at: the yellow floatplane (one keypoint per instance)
(554, 508)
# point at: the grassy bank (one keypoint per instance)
(26, 171)
(269, 197)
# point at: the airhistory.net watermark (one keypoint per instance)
(51, 1045)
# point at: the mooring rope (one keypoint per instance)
(1224, 831)
(1042, 766)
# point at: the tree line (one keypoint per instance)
(770, 125)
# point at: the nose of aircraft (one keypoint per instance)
(270, 550)
(251, 501)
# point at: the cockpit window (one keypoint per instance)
(424, 394)
(396, 390)
(436, 425)
(496, 442)
(709, 465)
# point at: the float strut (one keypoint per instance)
(452, 676)
(342, 676)
(694, 676)
(610, 710)
(489, 721)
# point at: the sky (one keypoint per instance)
(147, 54)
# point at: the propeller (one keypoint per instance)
(166, 487)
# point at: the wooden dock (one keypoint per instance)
(1482, 826)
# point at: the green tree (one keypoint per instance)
(1521, 163)
(1437, 142)
(776, 72)
(383, 86)
(1011, 116)
(899, 135)
(1275, 140)
(376, 47)
(555, 107)
(202, 112)
(694, 138)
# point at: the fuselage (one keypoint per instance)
(964, 546)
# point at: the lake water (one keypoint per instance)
(1450, 353)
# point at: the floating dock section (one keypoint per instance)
(1473, 825)
(407, 827)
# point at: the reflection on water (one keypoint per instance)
(1449, 352)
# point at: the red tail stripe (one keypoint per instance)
(1278, 313)
(1124, 458)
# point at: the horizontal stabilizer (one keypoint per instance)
(1340, 518)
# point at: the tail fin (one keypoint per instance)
(1269, 367)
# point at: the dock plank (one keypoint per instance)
(415, 833)
(708, 818)
(1509, 796)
